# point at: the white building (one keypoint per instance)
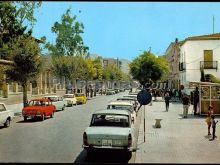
(197, 52)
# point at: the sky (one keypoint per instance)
(125, 29)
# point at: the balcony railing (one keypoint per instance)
(182, 66)
(209, 65)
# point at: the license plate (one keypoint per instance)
(106, 142)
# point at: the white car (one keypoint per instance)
(123, 105)
(70, 99)
(129, 99)
(6, 115)
(109, 130)
(57, 101)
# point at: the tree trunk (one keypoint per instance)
(25, 100)
(95, 89)
(86, 88)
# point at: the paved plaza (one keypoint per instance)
(179, 140)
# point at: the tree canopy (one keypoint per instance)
(147, 67)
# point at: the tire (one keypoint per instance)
(52, 114)
(25, 118)
(89, 154)
(7, 123)
(43, 117)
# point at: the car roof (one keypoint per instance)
(119, 103)
(126, 98)
(116, 112)
(129, 96)
(53, 96)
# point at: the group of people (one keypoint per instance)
(185, 99)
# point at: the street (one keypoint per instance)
(55, 140)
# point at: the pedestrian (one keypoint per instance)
(186, 104)
(208, 119)
(167, 100)
(195, 100)
(214, 122)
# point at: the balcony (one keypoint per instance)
(209, 65)
(182, 66)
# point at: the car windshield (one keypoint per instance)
(68, 96)
(38, 103)
(119, 107)
(53, 99)
(111, 120)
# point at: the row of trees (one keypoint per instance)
(70, 56)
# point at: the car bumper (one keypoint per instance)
(128, 149)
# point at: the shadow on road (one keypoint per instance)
(103, 157)
(31, 120)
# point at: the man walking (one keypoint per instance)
(195, 100)
(167, 100)
(186, 104)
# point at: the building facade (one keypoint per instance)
(172, 55)
(196, 53)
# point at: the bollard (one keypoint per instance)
(157, 124)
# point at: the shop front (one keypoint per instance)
(209, 94)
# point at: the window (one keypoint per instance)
(208, 58)
(2, 108)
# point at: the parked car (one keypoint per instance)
(81, 98)
(39, 108)
(129, 99)
(58, 101)
(110, 92)
(70, 99)
(109, 130)
(131, 96)
(6, 115)
(122, 105)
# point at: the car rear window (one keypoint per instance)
(110, 120)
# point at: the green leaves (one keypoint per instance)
(69, 41)
(25, 54)
(147, 67)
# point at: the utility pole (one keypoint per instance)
(213, 24)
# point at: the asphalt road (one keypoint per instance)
(58, 139)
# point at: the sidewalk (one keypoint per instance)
(178, 140)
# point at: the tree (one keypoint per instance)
(16, 44)
(27, 63)
(147, 68)
(68, 43)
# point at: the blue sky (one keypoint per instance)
(125, 29)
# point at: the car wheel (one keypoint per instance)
(52, 114)
(25, 118)
(7, 123)
(43, 117)
(89, 154)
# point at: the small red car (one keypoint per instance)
(38, 108)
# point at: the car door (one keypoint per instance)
(3, 114)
